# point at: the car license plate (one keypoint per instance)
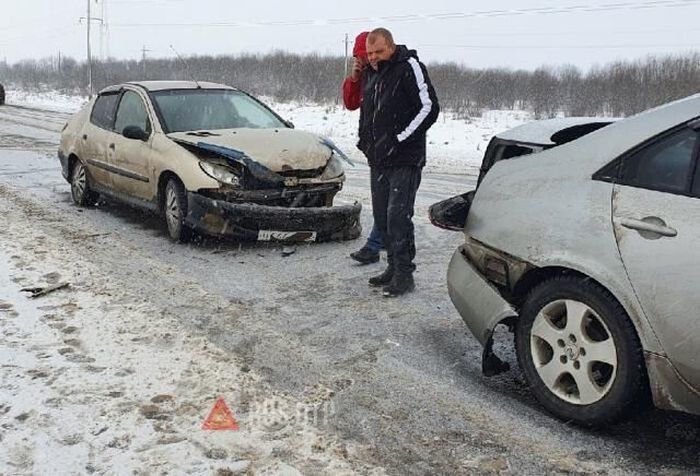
(272, 235)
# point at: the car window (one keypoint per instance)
(211, 109)
(254, 114)
(497, 151)
(103, 111)
(665, 165)
(131, 112)
(512, 150)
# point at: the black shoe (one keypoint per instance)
(365, 255)
(400, 284)
(382, 279)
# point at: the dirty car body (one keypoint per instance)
(586, 250)
(209, 157)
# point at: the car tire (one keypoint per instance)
(579, 352)
(80, 190)
(175, 210)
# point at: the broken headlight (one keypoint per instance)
(334, 168)
(220, 173)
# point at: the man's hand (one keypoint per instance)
(356, 72)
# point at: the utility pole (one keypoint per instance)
(346, 56)
(102, 32)
(143, 59)
(89, 20)
(89, 56)
(345, 67)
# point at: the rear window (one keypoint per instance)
(103, 110)
(513, 150)
(502, 150)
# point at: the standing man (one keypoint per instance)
(352, 98)
(398, 106)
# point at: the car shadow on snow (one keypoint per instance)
(653, 437)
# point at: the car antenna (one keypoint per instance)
(187, 67)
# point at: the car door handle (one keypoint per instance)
(650, 224)
(111, 146)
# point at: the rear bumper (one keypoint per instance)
(476, 300)
(249, 221)
(482, 308)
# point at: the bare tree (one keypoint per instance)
(620, 88)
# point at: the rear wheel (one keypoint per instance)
(80, 186)
(175, 210)
(580, 352)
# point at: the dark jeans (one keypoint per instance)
(374, 240)
(393, 197)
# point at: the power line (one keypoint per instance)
(583, 8)
(582, 47)
(579, 33)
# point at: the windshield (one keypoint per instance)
(208, 109)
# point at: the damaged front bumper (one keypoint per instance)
(250, 221)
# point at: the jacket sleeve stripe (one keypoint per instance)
(424, 98)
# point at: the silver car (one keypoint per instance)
(587, 252)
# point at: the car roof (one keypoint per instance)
(546, 131)
(621, 136)
(165, 85)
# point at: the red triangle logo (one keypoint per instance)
(220, 418)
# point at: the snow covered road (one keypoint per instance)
(117, 372)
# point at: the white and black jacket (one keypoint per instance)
(398, 106)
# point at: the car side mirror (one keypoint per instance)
(135, 132)
(289, 124)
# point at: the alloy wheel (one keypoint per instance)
(573, 351)
(173, 212)
(79, 183)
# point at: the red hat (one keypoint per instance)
(360, 48)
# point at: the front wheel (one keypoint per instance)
(580, 352)
(80, 186)
(175, 210)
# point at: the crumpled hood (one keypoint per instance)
(277, 149)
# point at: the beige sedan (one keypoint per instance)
(210, 158)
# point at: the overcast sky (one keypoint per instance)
(479, 33)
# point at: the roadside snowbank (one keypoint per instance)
(51, 100)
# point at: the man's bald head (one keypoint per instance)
(380, 46)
